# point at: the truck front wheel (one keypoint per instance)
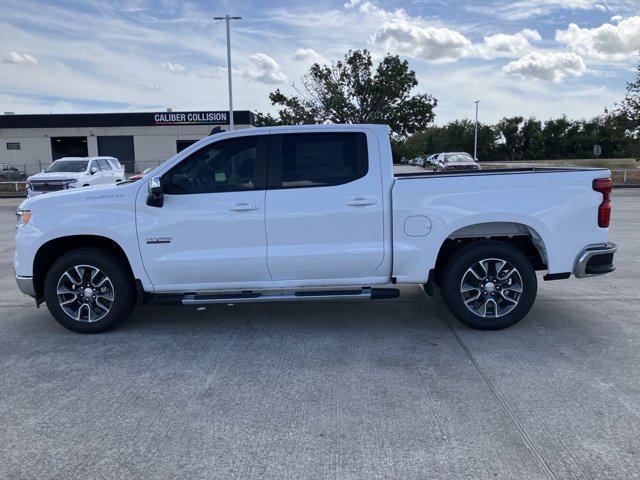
(89, 290)
(489, 285)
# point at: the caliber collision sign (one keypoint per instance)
(191, 118)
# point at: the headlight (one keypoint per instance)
(22, 217)
(73, 180)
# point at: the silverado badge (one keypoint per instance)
(158, 240)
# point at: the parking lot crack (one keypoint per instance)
(518, 426)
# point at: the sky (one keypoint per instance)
(542, 58)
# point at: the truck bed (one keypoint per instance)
(498, 171)
(561, 210)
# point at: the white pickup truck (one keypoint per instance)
(74, 172)
(310, 213)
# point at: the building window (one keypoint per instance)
(13, 145)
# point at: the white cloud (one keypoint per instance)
(217, 72)
(149, 87)
(617, 18)
(549, 66)
(23, 59)
(438, 44)
(264, 69)
(417, 37)
(503, 45)
(173, 67)
(522, 9)
(400, 33)
(607, 42)
(308, 54)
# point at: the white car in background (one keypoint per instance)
(453, 162)
(74, 172)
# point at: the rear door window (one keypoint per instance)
(300, 160)
(104, 165)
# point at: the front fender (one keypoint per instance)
(104, 212)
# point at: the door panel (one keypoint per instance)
(96, 178)
(325, 210)
(211, 228)
(210, 238)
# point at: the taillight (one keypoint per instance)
(603, 185)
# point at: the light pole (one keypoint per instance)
(227, 18)
(475, 136)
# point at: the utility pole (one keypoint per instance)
(227, 19)
(475, 136)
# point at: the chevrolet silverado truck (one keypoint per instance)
(310, 213)
(74, 172)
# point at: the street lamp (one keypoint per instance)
(475, 136)
(227, 18)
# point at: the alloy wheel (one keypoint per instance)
(491, 287)
(85, 293)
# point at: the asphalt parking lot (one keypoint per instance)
(387, 389)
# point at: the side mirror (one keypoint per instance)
(156, 193)
(93, 170)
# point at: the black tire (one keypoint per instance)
(120, 283)
(495, 293)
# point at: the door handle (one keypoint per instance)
(361, 202)
(243, 207)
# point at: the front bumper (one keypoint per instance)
(595, 260)
(39, 188)
(25, 285)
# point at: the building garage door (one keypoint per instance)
(119, 146)
(69, 147)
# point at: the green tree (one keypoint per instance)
(627, 115)
(455, 136)
(631, 104)
(555, 139)
(509, 129)
(531, 140)
(353, 91)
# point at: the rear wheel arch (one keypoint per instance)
(524, 237)
(50, 251)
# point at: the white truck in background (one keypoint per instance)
(74, 172)
(310, 213)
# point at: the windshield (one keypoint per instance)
(74, 166)
(458, 157)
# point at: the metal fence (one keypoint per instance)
(20, 172)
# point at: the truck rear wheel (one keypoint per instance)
(489, 285)
(89, 290)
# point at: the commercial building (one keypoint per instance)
(138, 140)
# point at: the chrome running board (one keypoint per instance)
(366, 293)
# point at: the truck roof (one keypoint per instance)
(74, 159)
(306, 128)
